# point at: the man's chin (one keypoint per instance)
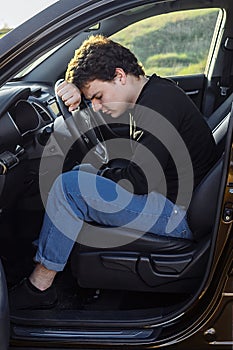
(114, 114)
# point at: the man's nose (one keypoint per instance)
(96, 105)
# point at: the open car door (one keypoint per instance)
(4, 312)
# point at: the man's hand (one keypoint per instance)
(88, 168)
(70, 95)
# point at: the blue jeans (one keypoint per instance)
(77, 196)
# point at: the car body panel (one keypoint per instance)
(4, 312)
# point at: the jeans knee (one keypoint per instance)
(59, 189)
(66, 185)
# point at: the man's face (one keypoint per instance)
(108, 96)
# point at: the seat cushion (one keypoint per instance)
(119, 238)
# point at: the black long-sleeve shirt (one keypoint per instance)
(172, 145)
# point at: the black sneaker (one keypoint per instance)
(25, 296)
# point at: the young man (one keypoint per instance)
(172, 149)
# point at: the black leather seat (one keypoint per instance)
(218, 122)
(149, 262)
(154, 263)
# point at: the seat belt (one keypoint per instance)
(224, 84)
(213, 99)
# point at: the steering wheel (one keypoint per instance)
(83, 124)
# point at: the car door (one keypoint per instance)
(215, 300)
(4, 314)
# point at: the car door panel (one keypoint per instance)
(193, 85)
(4, 312)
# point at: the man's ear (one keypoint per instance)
(121, 75)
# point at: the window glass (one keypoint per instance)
(172, 44)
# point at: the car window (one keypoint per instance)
(172, 44)
(36, 63)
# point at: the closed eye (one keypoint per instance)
(98, 97)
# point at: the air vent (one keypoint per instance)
(42, 112)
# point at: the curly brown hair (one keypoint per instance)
(97, 58)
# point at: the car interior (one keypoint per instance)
(149, 279)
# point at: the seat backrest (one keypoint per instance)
(218, 122)
(203, 206)
(219, 134)
(220, 113)
(202, 209)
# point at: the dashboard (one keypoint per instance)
(23, 111)
(27, 116)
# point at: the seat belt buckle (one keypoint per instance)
(223, 90)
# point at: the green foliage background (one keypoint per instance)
(3, 31)
(172, 44)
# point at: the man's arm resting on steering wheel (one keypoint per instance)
(70, 95)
